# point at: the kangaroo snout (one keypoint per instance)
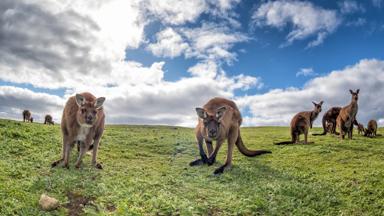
(212, 133)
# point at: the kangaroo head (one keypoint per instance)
(211, 122)
(355, 95)
(87, 113)
(317, 108)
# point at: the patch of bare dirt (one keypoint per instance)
(77, 202)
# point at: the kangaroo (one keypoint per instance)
(301, 123)
(220, 120)
(360, 128)
(347, 116)
(329, 126)
(82, 122)
(371, 129)
(48, 120)
(329, 119)
(27, 116)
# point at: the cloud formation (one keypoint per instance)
(307, 20)
(306, 72)
(349, 7)
(278, 106)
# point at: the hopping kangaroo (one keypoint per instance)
(82, 123)
(27, 116)
(48, 120)
(220, 120)
(301, 123)
(329, 121)
(347, 116)
(371, 128)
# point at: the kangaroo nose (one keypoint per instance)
(89, 118)
(212, 132)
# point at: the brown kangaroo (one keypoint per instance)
(371, 129)
(48, 120)
(347, 116)
(360, 128)
(27, 116)
(329, 119)
(220, 120)
(301, 123)
(82, 122)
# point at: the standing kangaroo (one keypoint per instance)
(27, 116)
(220, 120)
(82, 123)
(301, 123)
(329, 121)
(48, 120)
(347, 116)
(371, 129)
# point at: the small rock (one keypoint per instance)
(48, 203)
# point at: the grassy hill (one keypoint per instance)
(146, 172)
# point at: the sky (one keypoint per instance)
(155, 61)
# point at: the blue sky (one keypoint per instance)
(157, 60)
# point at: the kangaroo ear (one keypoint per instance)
(357, 91)
(201, 113)
(321, 103)
(314, 103)
(80, 100)
(350, 91)
(99, 102)
(220, 112)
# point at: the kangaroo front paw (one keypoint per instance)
(55, 163)
(219, 170)
(197, 162)
(98, 166)
(211, 161)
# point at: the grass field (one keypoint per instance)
(146, 172)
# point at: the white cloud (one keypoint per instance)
(211, 41)
(169, 44)
(307, 20)
(176, 12)
(349, 7)
(278, 106)
(66, 45)
(306, 72)
(204, 69)
(211, 44)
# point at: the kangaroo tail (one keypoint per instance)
(320, 134)
(250, 153)
(284, 143)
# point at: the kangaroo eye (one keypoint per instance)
(83, 111)
(94, 112)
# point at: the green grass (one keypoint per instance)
(146, 172)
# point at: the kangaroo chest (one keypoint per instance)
(82, 133)
(351, 116)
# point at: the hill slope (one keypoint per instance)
(146, 172)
